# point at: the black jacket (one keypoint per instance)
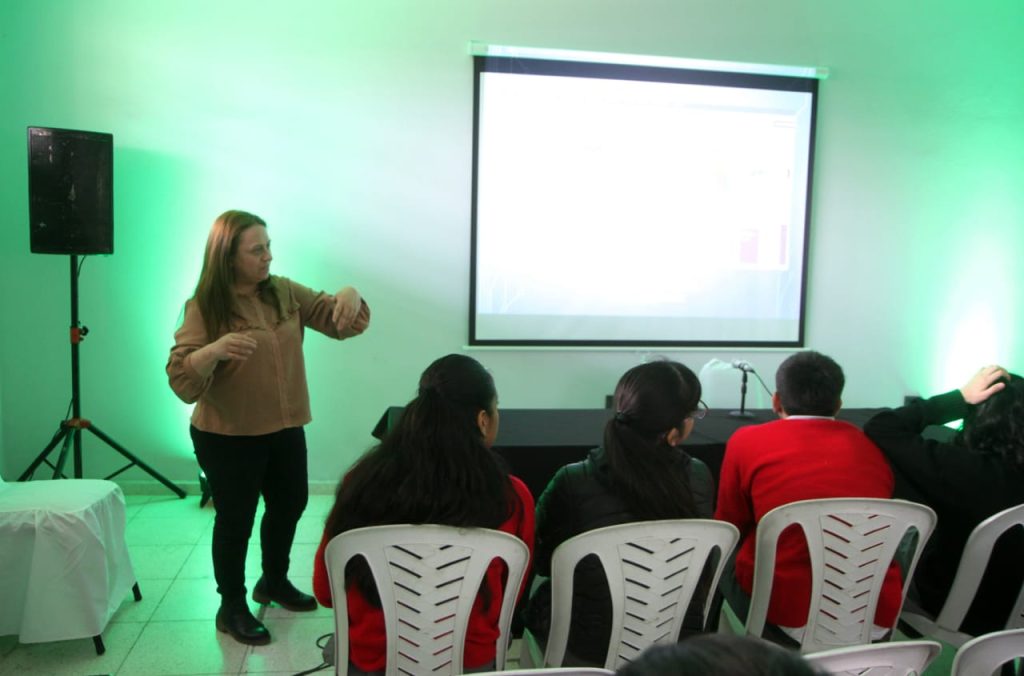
(578, 499)
(964, 488)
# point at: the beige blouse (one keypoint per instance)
(267, 392)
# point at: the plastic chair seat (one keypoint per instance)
(551, 671)
(897, 658)
(982, 655)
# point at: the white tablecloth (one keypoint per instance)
(64, 565)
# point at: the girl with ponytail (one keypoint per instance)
(640, 473)
(435, 466)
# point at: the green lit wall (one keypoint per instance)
(347, 125)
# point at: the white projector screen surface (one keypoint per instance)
(613, 210)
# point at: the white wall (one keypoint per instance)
(348, 126)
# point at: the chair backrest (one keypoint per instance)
(652, 568)
(851, 542)
(551, 671)
(898, 658)
(981, 656)
(428, 577)
(977, 552)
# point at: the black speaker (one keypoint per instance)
(70, 191)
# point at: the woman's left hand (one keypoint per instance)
(346, 307)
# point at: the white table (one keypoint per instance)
(64, 564)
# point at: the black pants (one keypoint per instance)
(240, 469)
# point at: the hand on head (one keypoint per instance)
(984, 383)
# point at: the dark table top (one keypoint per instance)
(524, 427)
(537, 442)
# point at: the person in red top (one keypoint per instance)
(807, 454)
(436, 466)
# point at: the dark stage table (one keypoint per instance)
(536, 442)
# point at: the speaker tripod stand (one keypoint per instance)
(69, 433)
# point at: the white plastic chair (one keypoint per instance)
(652, 568)
(552, 671)
(975, 557)
(981, 656)
(851, 542)
(897, 658)
(428, 577)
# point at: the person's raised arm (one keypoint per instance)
(928, 466)
(343, 315)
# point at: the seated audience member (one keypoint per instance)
(807, 454)
(966, 480)
(719, 655)
(639, 474)
(435, 467)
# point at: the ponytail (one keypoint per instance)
(648, 474)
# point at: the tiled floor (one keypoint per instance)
(171, 631)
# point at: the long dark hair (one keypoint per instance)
(647, 473)
(996, 425)
(433, 466)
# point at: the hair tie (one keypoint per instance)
(621, 417)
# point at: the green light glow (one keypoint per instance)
(981, 314)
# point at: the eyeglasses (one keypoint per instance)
(702, 410)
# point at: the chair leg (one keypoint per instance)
(98, 642)
(137, 592)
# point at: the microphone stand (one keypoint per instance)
(742, 413)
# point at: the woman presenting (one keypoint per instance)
(238, 357)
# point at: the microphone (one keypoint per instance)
(744, 367)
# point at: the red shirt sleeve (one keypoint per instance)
(524, 521)
(321, 581)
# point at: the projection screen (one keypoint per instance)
(618, 204)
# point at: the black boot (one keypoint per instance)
(235, 618)
(283, 594)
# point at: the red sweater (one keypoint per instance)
(366, 633)
(766, 466)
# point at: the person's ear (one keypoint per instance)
(483, 421)
(677, 435)
(777, 405)
(839, 405)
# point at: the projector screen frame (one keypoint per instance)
(806, 83)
